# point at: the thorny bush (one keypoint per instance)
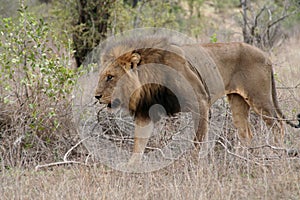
(35, 86)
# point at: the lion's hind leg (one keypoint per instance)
(240, 112)
(267, 112)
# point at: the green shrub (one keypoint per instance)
(213, 38)
(35, 84)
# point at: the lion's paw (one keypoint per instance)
(134, 164)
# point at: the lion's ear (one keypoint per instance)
(135, 60)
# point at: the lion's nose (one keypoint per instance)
(98, 97)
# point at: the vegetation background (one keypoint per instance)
(43, 43)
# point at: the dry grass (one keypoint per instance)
(219, 176)
(227, 172)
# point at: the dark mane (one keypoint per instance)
(153, 94)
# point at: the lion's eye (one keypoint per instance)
(109, 77)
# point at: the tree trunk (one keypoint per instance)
(91, 26)
(247, 38)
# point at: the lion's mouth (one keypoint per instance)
(114, 104)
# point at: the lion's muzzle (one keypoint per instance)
(112, 104)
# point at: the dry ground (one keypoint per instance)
(263, 172)
(220, 177)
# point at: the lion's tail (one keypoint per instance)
(279, 112)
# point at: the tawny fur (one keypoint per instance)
(246, 77)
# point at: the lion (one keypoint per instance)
(138, 73)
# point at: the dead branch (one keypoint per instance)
(259, 31)
(65, 160)
(73, 147)
(268, 146)
(239, 156)
(59, 163)
(281, 18)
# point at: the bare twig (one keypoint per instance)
(268, 146)
(256, 19)
(281, 18)
(73, 147)
(239, 156)
(65, 161)
(289, 87)
(260, 31)
(59, 163)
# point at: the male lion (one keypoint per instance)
(139, 73)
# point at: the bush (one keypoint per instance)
(35, 85)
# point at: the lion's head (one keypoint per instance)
(118, 81)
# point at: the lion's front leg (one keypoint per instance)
(142, 133)
(201, 122)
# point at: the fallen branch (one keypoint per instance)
(239, 156)
(289, 87)
(59, 163)
(73, 147)
(65, 158)
(268, 146)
